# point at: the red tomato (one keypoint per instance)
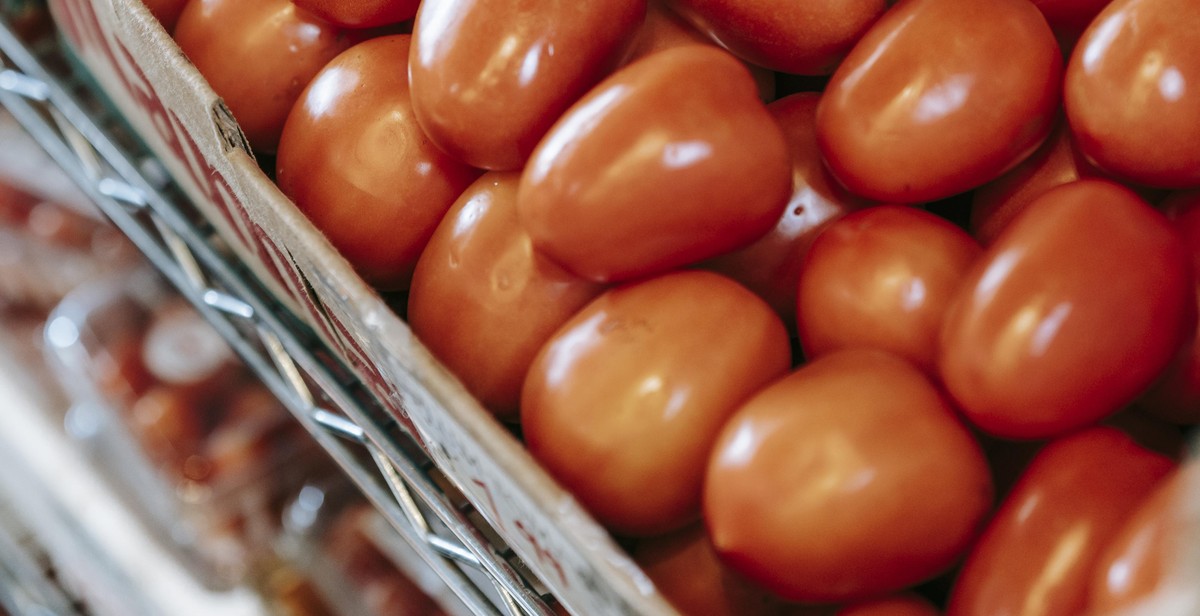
(771, 266)
(489, 78)
(1070, 17)
(1132, 92)
(632, 385)
(356, 163)
(1071, 314)
(845, 480)
(1037, 554)
(361, 13)
(793, 37)
(258, 57)
(483, 301)
(882, 277)
(671, 160)
(1147, 555)
(922, 109)
(166, 11)
(904, 604)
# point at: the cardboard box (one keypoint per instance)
(180, 118)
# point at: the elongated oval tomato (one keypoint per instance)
(808, 37)
(632, 385)
(490, 77)
(380, 210)
(819, 487)
(361, 13)
(1132, 92)
(1037, 554)
(670, 160)
(483, 300)
(258, 57)
(1070, 315)
(771, 265)
(882, 277)
(921, 109)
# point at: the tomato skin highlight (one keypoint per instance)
(669, 161)
(818, 487)
(1037, 554)
(920, 110)
(1020, 347)
(631, 385)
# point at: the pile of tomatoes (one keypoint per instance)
(823, 307)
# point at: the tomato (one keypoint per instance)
(490, 77)
(1147, 554)
(795, 37)
(483, 301)
(1037, 554)
(849, 478)
(771, 265)
(923, 107)
(258, 57)
(166, 11)
(1069, 315)
(1070, 17)
(904, 604)
(632, 385)
(1132, 92)
(354, 160)
(882, 277)
(361, 13)
(671, 160)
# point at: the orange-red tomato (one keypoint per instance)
(356, 163)
(882, 277)
(922, 109)
(1037, 554)
(167, 12)
(850, 478)
(671, 160)
(904, 604)
(1147, 555)
(808, 37)
(490, 77)
(623, 403)
(258, 57)
(771, 265)
(361, 13)
(1132, 92)
(483, 301)
(1070, 315)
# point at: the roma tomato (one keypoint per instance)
(1021, 345)
(793, 37)
(258, 57)
(632, 385)
(356, 163)
(670, 160)
(361, 13)
(1037, 554)
(771, 265)
(845, 480)
(167, 12)
(1132, 92)
(922, 109)
(904, 604)
(489, 77)
(483, 301)
(882, 277)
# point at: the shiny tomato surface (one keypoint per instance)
(361, 13)
(771, 265)
(1132, 92)
(167, 12)
(258, 57)
(623, 403)
(882, 278)
(808, 37)
(1071, 314)
(1037, 555)
(483, 301)
(849, 478)
(354, 160)
(489, 77)
(923, 108)
(671, 160)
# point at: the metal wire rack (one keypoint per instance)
(53, 101)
